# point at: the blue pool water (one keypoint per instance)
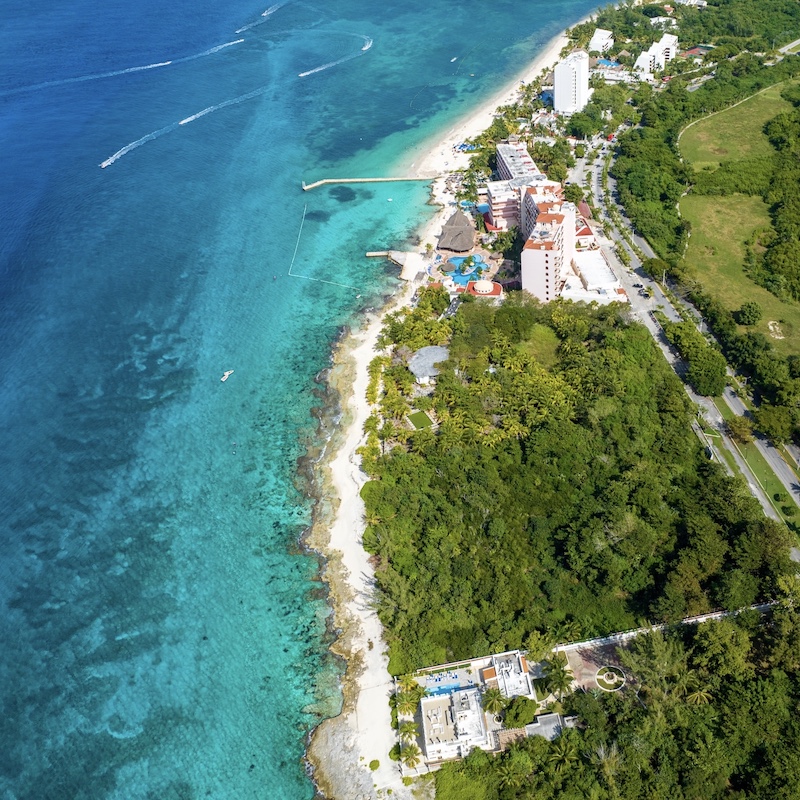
(447, 688)
(165, 634)
(463, 279)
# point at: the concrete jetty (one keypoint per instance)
(308, 186)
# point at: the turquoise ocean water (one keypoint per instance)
(164, 636)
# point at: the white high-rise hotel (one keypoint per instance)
(571, 83)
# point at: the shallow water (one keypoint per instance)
(164, 636)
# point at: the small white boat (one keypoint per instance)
(453, 59)
(226, 375)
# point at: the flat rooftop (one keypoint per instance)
(518, 160)
(595, 271)
(452, 724)
(513, 678)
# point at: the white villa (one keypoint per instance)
(601, 41)
(453, 724)
(452, 715)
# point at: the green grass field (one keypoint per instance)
(720, 226)
(735, 133)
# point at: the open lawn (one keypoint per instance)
(715, 255)
(542, 345)
(735, 133)
(419, 419)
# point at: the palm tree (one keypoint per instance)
(608, 759)
(493, 701)
(557, 675)
(411, 755)
(406, 703)
(407, 683)
(564, 755)
(699, 697)
(510, 777)
(569, 631)
(408, 731)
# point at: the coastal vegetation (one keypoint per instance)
(737, 25)
(562, 493)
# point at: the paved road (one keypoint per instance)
(772, 456)
(643, 308)
(787, 47)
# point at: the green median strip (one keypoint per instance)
(757, 464)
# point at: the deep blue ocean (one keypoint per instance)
(163, 633)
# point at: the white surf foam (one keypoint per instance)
(98, 75)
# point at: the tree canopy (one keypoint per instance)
(562, 493)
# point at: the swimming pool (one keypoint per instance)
(472, 273)
(447, 688)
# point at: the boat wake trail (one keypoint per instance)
(367, 46)
(138, 143)
(264, 17)
(169, 128)
(235, 101)
(98, 75)
(242, 98)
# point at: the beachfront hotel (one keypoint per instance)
(601, 42)
(571, 83)
(561, 256)
(548, 252)
(656, 56)
(518, 173)
(514, 161)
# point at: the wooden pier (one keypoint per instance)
(308, 186)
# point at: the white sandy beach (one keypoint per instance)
(342, 748)
(441, 157)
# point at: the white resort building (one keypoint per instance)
(601, 42)
(514, 161)
(548, 253)
(571, 83)
(655, 58)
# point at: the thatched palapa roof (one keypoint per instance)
(458, 235)
(423, 362)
